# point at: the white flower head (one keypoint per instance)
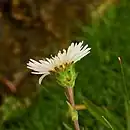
(59, 62)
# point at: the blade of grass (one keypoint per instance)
(97, 112)
(125, 94)
(104, 116)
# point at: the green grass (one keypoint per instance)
(99, 81)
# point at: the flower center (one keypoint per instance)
(61, 67)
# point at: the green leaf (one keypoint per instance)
(67, 126)
(127, 108)
(104, 116)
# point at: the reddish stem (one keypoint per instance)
(70, 97)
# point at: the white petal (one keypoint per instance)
(81, 54)
(77, 51)
(80, 57)
(42, 77)
(38, 72)
(38, 67)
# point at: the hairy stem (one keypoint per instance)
(70, 97)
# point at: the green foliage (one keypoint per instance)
(99, 80)
(109, 39)
(49, 111)
(11, 108)
(101, 113)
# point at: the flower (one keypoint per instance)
(59, 62)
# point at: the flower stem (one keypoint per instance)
(70, 97)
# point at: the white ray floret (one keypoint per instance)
(45, 66)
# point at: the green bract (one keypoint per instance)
(67, 77)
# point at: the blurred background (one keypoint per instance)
(37, 29)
